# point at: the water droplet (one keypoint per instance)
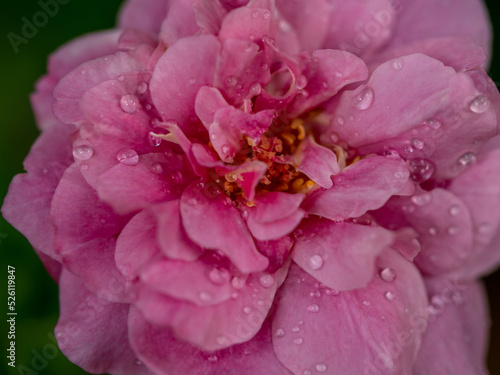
(397, 64)
(121, 78)
(340, 120)
(230, 81)
(255, 89)
(266, 281)
(142, 88)
(454, 210)
(128, 157)
(137, 362)
(154, 141)
(388, 275)
(156, 168)
(83, 72)
(192, 81)
(436, 307)
(313, 308)
(298, 341)
(484, 228)
(366, 303)
(467, 159)
(420, 169)
(266, 14)
(390, 296)
(84, 167)
(225, 149)
(238, 282)
(83, 152)
(480, 104)
(433, 124)
(255, 14)
(280, 332)
(129, 103)
(421, 199)
(399, 175)
(176, 177)
(453, 230)
(321, 367)
(205, 297)
(295, 329)
(212, 358)
(338, 74)
(218, 276)
(417, 143)
(432, 231)
(364, 100)
(247, 309)
(315, 262)
(307, 372)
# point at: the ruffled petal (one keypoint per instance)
(93, 333)
(340, 255)
(217, 326)
(180, 22)
(365, 185)
(162, 352)
(457, 333)
(211, 221)
(377, 329)
(174, 74)
(144, 15)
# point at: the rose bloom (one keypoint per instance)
(269, 187)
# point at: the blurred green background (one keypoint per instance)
(36, 301)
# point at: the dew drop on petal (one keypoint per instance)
(295, 329)
(156, 168)
(388, 275)
(255, 14)
(432, 231)
(121, 78)
(390, 296)
(298, 341)
(266, 281)
(399, 175)
(453, 230)
(84, 167)
(307, 372)
(480, 104)
(315, 262)
(340, 120)
(280, 332)
(176, 177)
(128, 157)
(364, 100)
(420, 169)
(366, 303)
(433, 124)
(237, 282)
(454, 210)
(154, 141)
(313, 308)
(205, 297)
(212, 358)
(83, 152)
(129, 103)
(218, 276)
(484, 228)
(230, 81)
(321, 367)
(137, 362)
(397, 64)
(142, 88)
(467, 159)
(247, 309)
(421, 199)
(417, 143)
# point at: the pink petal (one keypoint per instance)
(71, 88)
(317, 162)
(93, 333)
(248, 177)
(247, 23)
(406, 242)
(241, 70)
(192, 58)
(311, 30)
(33, 192)
(180, 22)
(214, 223)
(360, 27)
(129, 188)
(433, 119)
(363, 186)
(430, 19)
(323, 83)
(219, 326)
(160, 351)
(276, 251)
(198, 281)
(275, 215)
(136, 246)
(373, 330)
(133, 38)
(209, 15)
(144, 15)
(172, 237)
(85, 235)
(457, 333)
(340, 255)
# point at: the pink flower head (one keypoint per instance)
(269, 187)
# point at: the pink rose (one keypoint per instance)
(269, 187)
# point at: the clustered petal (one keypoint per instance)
(269, 187)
